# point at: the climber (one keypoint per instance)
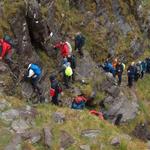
(119, 71)
(147, 60)
(67, 74)
(108, 67)
(144, 66)
(131, 74)
(114, 63)
(34, 73)
(64, 49)
(72, 60)
(138, 71)
(6, 48)
(55, 90)
(98, 114)
(79, 42)
(79, 102)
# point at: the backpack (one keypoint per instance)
(52, 92)
(69, 47)
(68, 71)
(80, 99)
(36, 69)
(8, 39)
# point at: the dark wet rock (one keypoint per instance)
(115, 141)
(48, 137)
(15, 144)
(20, 126)
(142, 131)
(91, 133)
(10, 115)
(58, 117)
(85, 147)
(66, 140)
(32, 136)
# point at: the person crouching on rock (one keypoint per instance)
(79, 102)
(34, 73)
(55, 90)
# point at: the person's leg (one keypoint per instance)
(80, 51)
(129, 81)
(73, 75)
(34, 82)
(55, 99)
(66, 80)
(119, 79)
(142, 74)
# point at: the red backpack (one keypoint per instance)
(98, 114)
(52, 92)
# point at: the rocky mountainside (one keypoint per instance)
(114, 28)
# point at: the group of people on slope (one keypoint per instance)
(34, 71)
(135, 71)
(68, 66)
(116, 67)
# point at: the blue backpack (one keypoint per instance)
(36, 69)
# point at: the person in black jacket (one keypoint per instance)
(79, 42)
(131, 74)
(55, 90)
(119, 71)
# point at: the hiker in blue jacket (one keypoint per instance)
(108, 67)
(33, 75)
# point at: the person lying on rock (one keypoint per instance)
(55, 90)
(79, 102)
(6, 48)
(33, 75)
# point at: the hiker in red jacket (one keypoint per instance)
(63, 48)
(5, 49)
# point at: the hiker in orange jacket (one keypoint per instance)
(114, 63)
